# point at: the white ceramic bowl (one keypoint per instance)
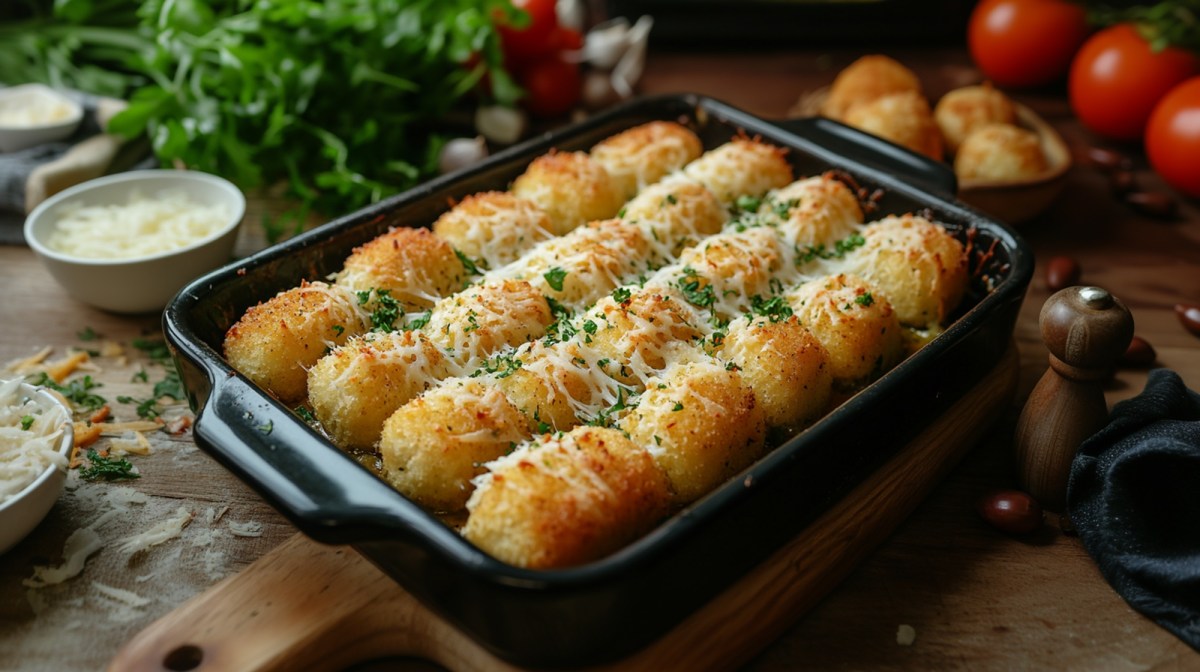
(53, 116)
(140, 284)
(21, 513)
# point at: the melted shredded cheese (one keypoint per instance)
(141, 227)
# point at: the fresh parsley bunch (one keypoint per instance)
(341, 99)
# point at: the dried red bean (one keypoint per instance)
(1121, 182)
(1011, 511)
(1152, 203)
(1189, 316)
(1062, 272)
(1107, 159)
(1139, 353)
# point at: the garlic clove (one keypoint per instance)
(606, 43)
(632, 64)
(460, 153)
(571, 14)
(499, 124)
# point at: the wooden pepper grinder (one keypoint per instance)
(1086, 329)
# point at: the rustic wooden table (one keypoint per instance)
(977, 598)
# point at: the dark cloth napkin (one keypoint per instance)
(1134, 497)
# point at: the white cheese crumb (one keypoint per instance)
(121, 595)
(906, 635)
(249, 528)
(160, 532)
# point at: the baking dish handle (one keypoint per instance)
(842, 140)
(325, 493)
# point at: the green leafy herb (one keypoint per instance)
(561, 328)
(589, 326)
(156, 350)
(146, 408)
(87, 334)
(864, 299)
(621, 294)
(339, 99)
(77, 391)
(385, 308)
(840, 248)
(339, 329)
(745, 203)
(305, 414)
(677, 407)
(502, 366)
(469, 265)
(107, 469)
(419, 322)
(170, 386)
(554, 277)
(776, 308)
(669, 199)
(694, 290)
(26, 422)
(139, 377)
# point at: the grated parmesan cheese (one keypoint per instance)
(141, 227)
(30, 431)
(162, 531)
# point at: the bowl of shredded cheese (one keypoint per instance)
(32, 114)
(128, 242)
(35, 445)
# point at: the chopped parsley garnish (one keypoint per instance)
(472, 323)
(146, 408)
(670, 200)
(78, 391)
(305, 414)
(840, 248)
(170, 386)
(339, 329)
(694, 290)
(420, 322)
(26, 422)
(730, 366)
(156, 350)
(774, 308)
(140, 377)
(501, 365)
(621, 294)
(108, 469)
(589, 326)
(554, 278)
(87, 334)
(621, 213)
(561, 328)
(605, 417)
(469, 265)
(745, 203)
(386, 311)
(678, 406)
(783, 208)
(864, 300)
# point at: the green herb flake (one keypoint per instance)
(305, 414)
(140, 377)
(621, 294)
(469, 264)
(26, 422)
(554, 277)
(338, 329)
(747, 203)
(77, 391)
(694, 290)
(864, 299)
(87, 334)
(420, 322)
(775, 309)
(107, 469)
(146, 408)
(589, 326)
(678, 407)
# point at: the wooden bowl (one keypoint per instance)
(1018, 201)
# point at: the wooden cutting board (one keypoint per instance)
(309, 606)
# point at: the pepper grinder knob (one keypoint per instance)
(1086, 330)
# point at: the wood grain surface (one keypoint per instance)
(977, 599)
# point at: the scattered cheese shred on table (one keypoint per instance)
(248, 528)
(30, 363)
(162, 531)
(121, 595)
(80, 545)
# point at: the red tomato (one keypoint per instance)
(1025, 42)
(551, 86)
(1173, 137)
(522, 45)
(1116, 80)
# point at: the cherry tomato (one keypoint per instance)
(1116, 79)
(1173, 137)
(523, 45)
(551, 86)
(1025, 42)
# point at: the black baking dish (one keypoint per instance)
(605, 610)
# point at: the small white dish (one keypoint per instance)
(139, 284)
(32, 114)
(22, 512)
